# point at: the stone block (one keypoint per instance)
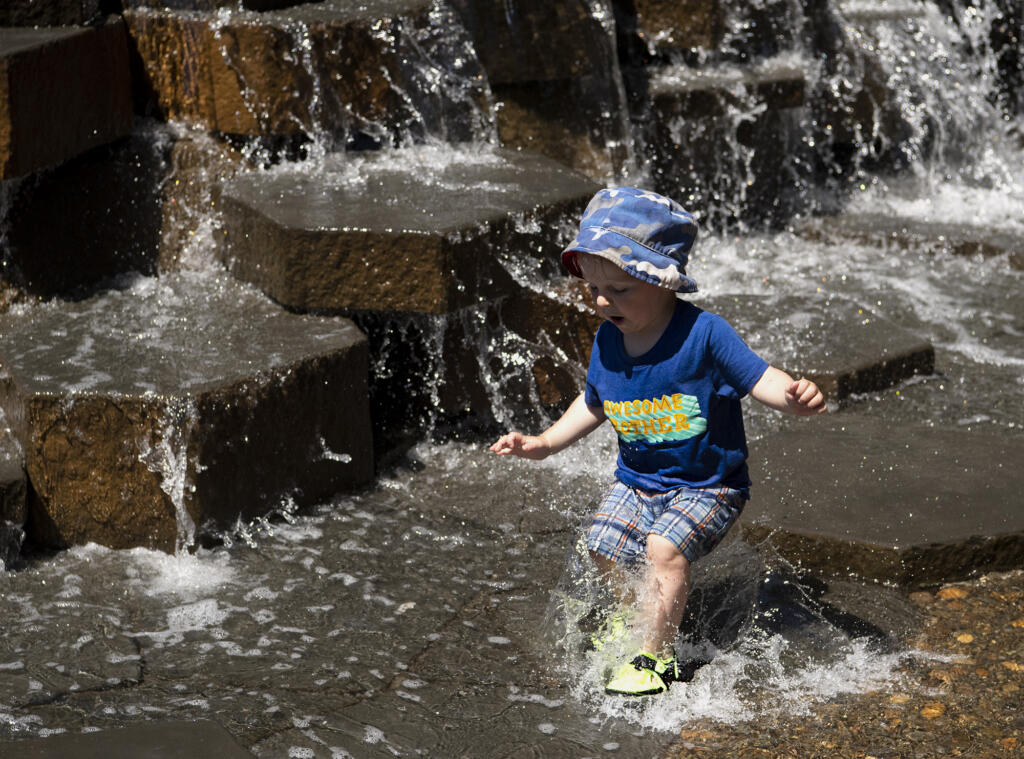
(13, 487)
(424, 230)
(557, 331)
(728, 139)
(51, 12)
(536, 41)
(518, 357)
(685, 25)
(180, 402)
(90, 219)
(910, 504)
(62, 92)
(576, 122)
(718, 30)
(845, 347)
(197, 164)
(962, 239)
(381, 69)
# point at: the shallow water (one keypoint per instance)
(417, 618)
(396, 622)
(434, 614)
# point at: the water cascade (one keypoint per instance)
(273, 272)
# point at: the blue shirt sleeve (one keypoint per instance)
(739, 366)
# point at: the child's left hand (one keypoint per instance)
(804, 398)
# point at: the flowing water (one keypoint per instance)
(437, 612)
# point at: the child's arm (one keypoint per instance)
(578, 421)
(779, 391)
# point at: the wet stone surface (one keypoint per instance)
(964, 239)
(426, 231)
(961, 697)
(177, 402)
(81, 73)
(907, 504)
(155, 740)
(412, 619)
(360, 72)
(844, 346)
(694, 113)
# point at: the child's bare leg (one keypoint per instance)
(668, 586)
(616, 577)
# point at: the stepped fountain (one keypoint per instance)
(273, 270)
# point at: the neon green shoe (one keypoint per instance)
(646, 675)
(613, 631)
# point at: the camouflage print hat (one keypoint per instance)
(646, 235)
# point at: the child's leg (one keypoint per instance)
(667, 588)
(693, 522)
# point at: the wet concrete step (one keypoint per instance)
(424, 231)
(711, 91)
(63, 90)
(722, 28)
(874, 11)
(184, 402)
(725, 138)
(426, 249)
(958, 238)
(907, 504)
(379, 69)
(843, 346)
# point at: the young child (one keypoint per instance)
(669, 377)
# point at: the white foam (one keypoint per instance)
(184, 574)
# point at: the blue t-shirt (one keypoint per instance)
(677, 407)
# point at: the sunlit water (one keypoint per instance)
(442, 603)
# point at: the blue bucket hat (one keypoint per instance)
(646, 235)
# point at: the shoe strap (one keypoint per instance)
(645, 661)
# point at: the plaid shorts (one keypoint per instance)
(693, 519)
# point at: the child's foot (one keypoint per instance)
(614, 630)
(646, 675)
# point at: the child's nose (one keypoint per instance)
(602, 300)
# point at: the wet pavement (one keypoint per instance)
(424, 617)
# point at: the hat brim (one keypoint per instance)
(635, 259)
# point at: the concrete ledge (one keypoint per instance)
(910, 505)
(402, 233)
(703, 154)
(62, 92)
(182, 403)
(536, 40)
(843, 346)
(238, 72)
(962, 239)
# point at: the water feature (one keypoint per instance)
(416, 617)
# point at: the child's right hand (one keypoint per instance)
(524, 446)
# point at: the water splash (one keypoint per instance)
(168, 457)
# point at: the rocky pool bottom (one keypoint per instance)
(427, 617)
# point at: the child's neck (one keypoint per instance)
(638, 343)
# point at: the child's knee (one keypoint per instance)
(663, 553)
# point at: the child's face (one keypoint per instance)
(637, 308)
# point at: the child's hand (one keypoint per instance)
(805, 399)
(524, 446)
